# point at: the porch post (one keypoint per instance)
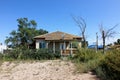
(37, 44)
(64, 47)
(47, 45)
(71, 52)
(61, 49)
(53, 47)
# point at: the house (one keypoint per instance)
(58, 41)
(2, 48)
(115, 47)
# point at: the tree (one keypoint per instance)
(24, 35)
(82, 25)
(117, 42)
(107, 34)
(110, 44)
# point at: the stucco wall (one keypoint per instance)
(57, 44)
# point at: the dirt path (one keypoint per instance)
(47, 70)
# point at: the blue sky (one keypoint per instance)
(53, 15)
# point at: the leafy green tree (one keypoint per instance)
(24, 35)
(118, 41)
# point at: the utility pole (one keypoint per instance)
(96, 42)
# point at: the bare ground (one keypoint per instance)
(46, 70)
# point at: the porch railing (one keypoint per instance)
(67, 52)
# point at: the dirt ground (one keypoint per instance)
(42, 70)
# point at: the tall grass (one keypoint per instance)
(87, 60)
(106, 66)
(110, 67)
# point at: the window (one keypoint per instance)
(62, 46)
(42, 45)
(74, 45)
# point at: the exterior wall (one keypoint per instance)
(67, 45)
(2, 48)
(50, 45)
(57, 45)
(79, 45)
(37, 43)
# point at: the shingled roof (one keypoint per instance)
(57, 36)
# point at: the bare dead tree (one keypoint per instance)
(107, 34)
(82, 25)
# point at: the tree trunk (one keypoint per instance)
(103, 36)
(84, 41)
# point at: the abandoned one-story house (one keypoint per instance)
(58, 41)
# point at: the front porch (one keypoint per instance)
(65, 47)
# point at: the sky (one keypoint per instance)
(55, 15)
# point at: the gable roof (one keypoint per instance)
(57, 36)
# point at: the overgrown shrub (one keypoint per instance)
(33, 54)
(106, 66)
(110, 67)
(13, 54)
(43, 54)
(46, 54)
(57, 54)
(85, 55)
(27, 54)
(1, 56)
(87, 59)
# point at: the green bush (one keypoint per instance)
(1, 56)
(27, 54)
(46, 54)
(87, 59)
(57, 54)
(43, 54)
(106, 66)
(13, 54)
(110, 67)
(85, 55)
(31, 54)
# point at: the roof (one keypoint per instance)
(57, 36)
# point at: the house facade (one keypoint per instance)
(2, 48)
(58, 41)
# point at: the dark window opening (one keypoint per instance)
(42, 45)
